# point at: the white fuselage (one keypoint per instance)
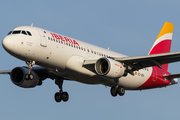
(65, 56)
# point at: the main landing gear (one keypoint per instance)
(117, 90)
(60, 95)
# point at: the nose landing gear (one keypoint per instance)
(30, 66)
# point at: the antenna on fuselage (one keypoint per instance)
(32, 25)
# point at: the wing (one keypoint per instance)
(5, 72)
(41, 71)
(139, 62)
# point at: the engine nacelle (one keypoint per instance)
(109, 68)
(18, 77)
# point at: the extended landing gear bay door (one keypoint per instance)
(43, 41)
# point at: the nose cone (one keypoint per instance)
(6, 43)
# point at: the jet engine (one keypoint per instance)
(109, 68)
(18, 77)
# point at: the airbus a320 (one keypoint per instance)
(60, 58)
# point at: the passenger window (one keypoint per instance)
(24, 32)
(29, 33)
(9, 33)
(16, 32)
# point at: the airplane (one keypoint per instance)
(58, 57)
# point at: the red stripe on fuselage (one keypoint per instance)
(156, 79)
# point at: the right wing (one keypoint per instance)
(5, 72)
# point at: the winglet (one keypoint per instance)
(163, 42)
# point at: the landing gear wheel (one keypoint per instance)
(113, 91)
(29, 76)
(121, 90)
(65, 96)
(57, 97)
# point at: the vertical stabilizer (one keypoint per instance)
(163, 41)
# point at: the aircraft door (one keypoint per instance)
(43, 41)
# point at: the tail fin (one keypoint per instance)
(163, 41)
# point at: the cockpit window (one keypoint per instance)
(20, 32)
(9, 33)
(24, 32)
(29, 33)
(16, 32)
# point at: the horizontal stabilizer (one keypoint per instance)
(172, 76)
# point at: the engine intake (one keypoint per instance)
(18, 77)
(109, 68)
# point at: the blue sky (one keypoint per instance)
(126, 26)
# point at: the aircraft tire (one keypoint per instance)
(27, 76)
(113, 91)
(31, 76)
(57, 97)
(65, 96)
(121, 90)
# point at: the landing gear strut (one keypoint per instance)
(60, 95)
(117, 89)
(30, 66)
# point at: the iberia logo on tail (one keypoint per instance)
(163, 41)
